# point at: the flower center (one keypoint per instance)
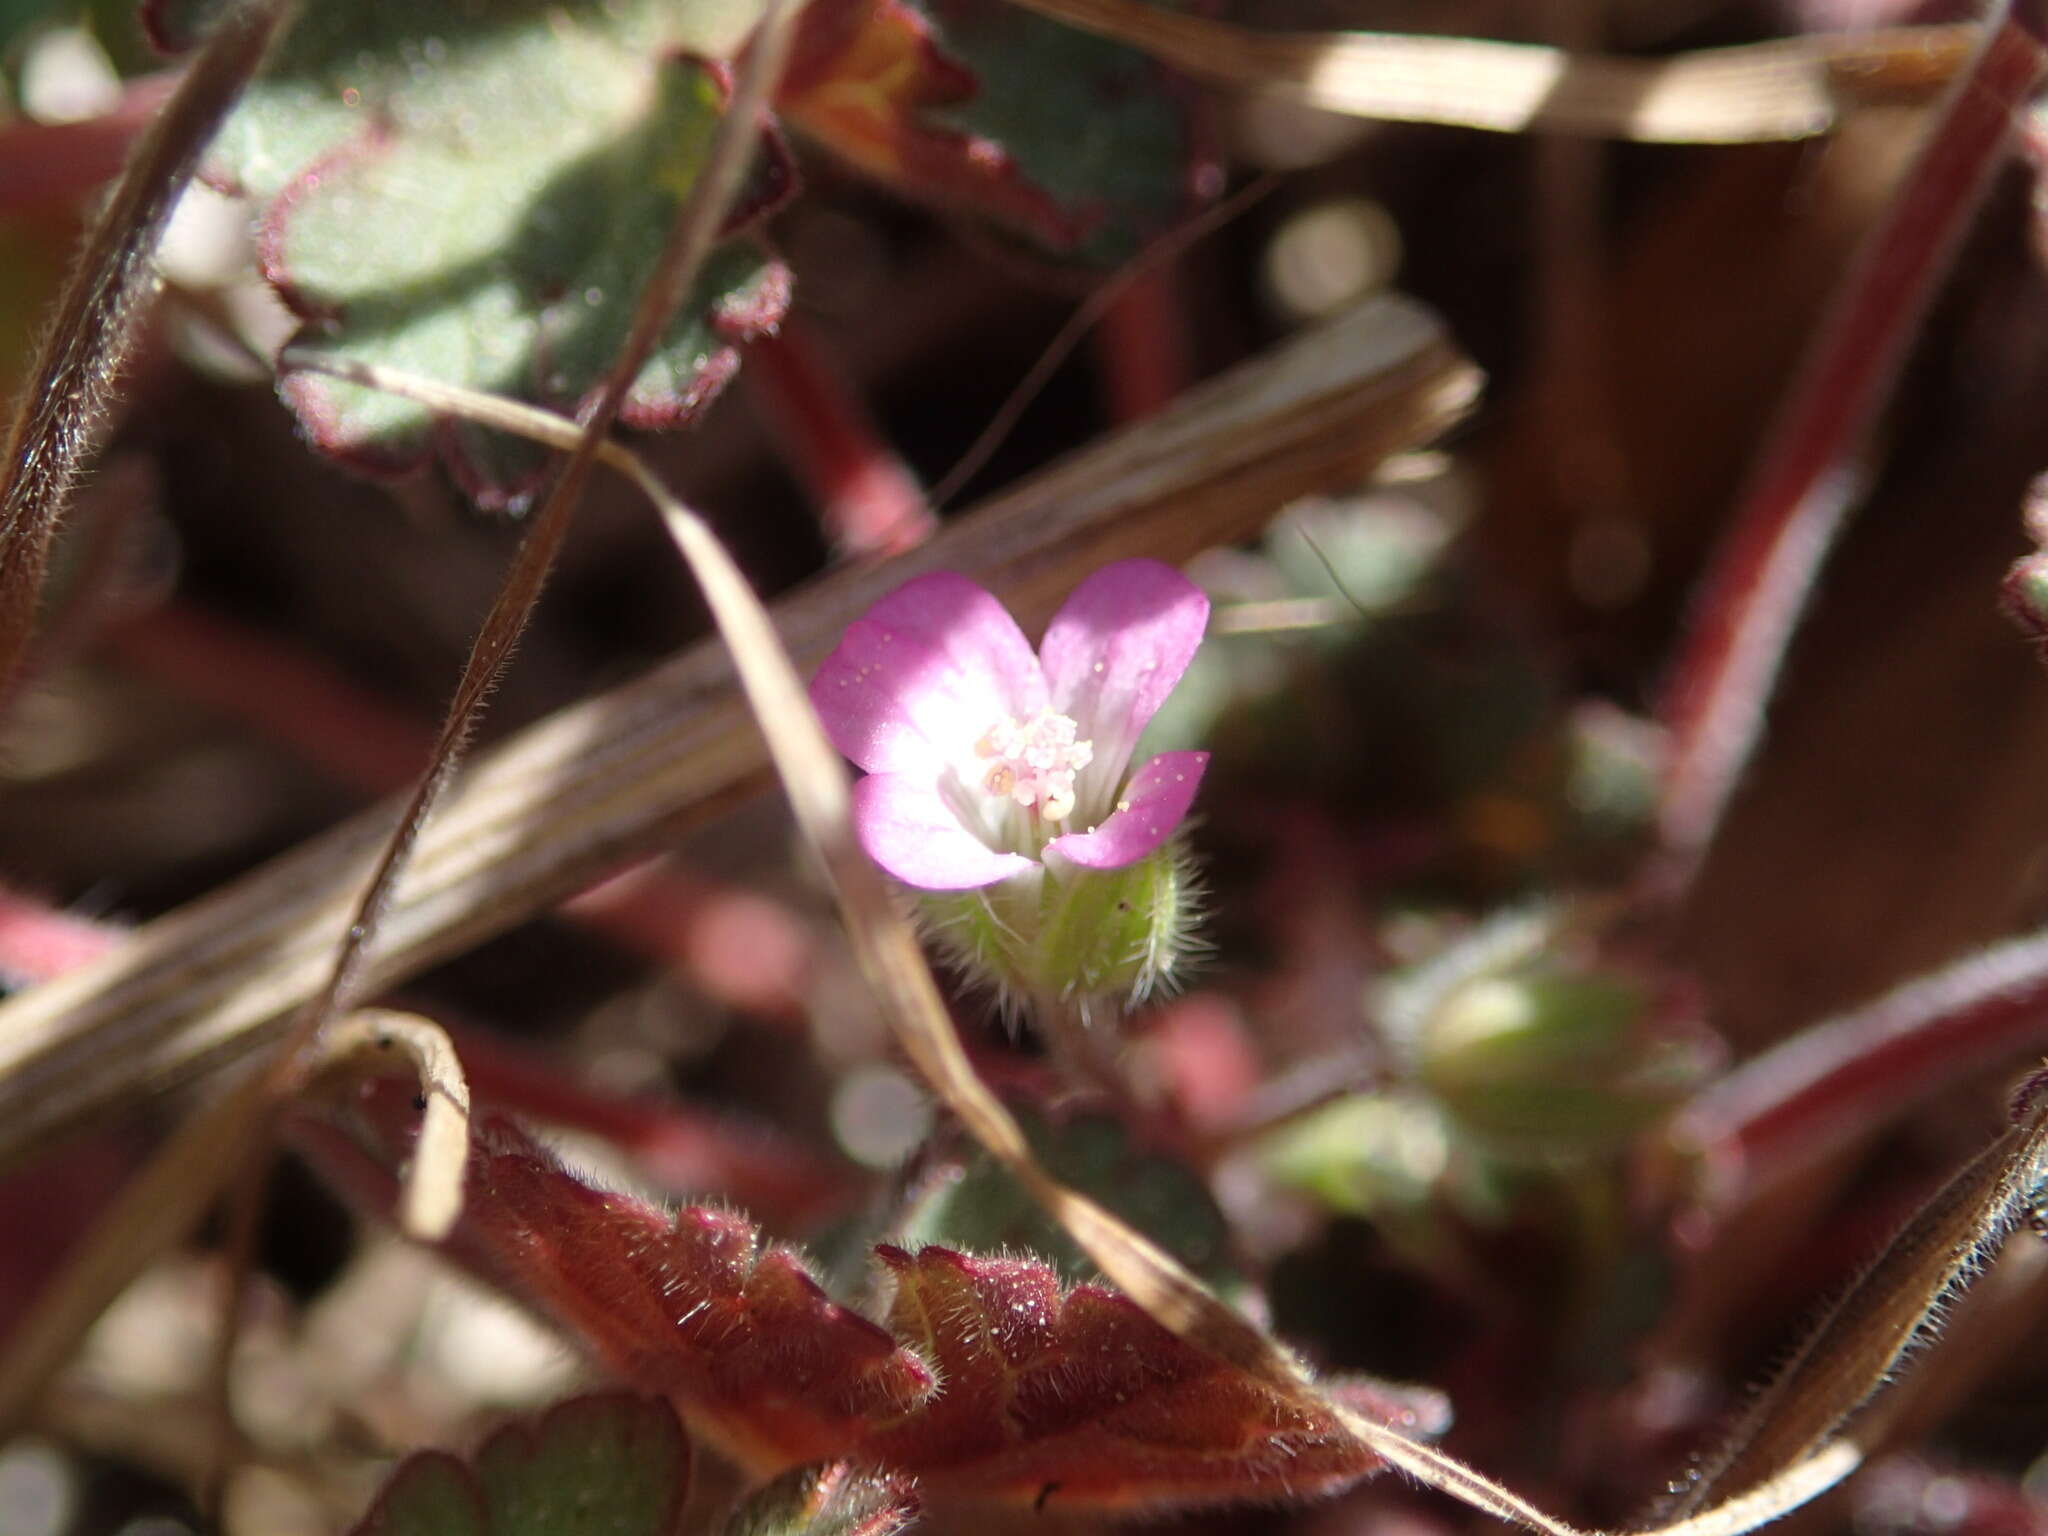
(1033, 761)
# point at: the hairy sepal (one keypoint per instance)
(1112, 937)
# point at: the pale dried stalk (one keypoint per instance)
(1792, 89)
(575, 796)
(682, 254)
(160, 1205)
(71, 381)
(430, 1194)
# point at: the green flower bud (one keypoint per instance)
(1534, 1048)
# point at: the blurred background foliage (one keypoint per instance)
(1415, 1107)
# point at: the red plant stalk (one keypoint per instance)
(675, 1145)
(51, 167)
(1803, 489)
(298, 702)
(1782, 1110)
(867, 498)
(680, 1148)
(37, 943)
(288, 698)
(1142, 347)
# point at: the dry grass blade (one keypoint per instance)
(73, 375)
(431, 1196)
(161, 1204)
(1766, 91)
(676, 266)
(575, 796)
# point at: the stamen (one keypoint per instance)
(1034, 762)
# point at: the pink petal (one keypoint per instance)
(915, 683)
(1114, 652)
(912, 833)
(1152, 805)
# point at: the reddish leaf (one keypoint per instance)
(1083, 1397)
(997, 1385)
(864, 77)
(1084, 146)
(761, 1359)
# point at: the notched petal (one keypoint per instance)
(913, 834)
(931, 667)
(1155, 802)
(1114, 652)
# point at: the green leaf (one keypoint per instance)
(431, 1494)
(610, 1464)
(476, 194)
(1109, 134)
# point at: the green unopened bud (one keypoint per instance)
(1367, 1155)
(1550, 1060)
(1112, 936)
(1534, 1047)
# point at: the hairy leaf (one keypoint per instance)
(1079, 1395)
(1086, 147)
(475, 194)
(993, 1381)
(609, 1464)
(761, 1359)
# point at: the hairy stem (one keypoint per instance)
(1797, 1101)
(72, 378)
(1897, 1305)
(865, 495)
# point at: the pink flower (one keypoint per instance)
(985, 761)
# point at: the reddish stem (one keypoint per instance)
(1142, 346)
(867, 498)
(683, 1149)
(37, 943)
(1802, 489)
(679, 1147)
(747, 950)
(288, 698)
(740, 948)
(1782, 1110)
(50, 167)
